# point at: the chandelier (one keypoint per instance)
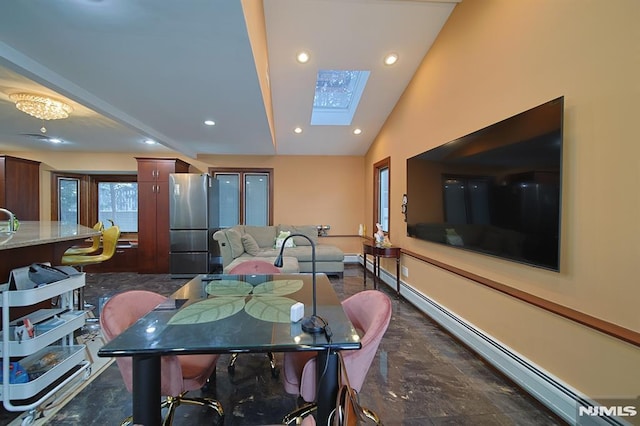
(41, 107)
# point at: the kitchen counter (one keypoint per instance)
(39, 233)
(37, 242)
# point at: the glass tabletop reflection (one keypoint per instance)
(237, 313)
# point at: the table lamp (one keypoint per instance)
(311, 324)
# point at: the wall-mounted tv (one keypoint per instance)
(495, 191)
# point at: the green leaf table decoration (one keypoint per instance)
(277, 287)
(208, 310)
(228, 288)
(270, 308)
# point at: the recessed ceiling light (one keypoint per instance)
(357, 131)
(297, 130)
(391, 59)
(302, 57)
(150, 142)
(210, 122)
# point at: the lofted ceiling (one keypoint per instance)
(157, 69)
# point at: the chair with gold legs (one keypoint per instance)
(370, 312)
(179, 374)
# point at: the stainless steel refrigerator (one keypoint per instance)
(193, 218)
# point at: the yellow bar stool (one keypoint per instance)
(109, 242)
(94, 248)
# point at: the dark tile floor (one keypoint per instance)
(420, 376)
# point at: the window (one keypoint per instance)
(69, 200)
(229, 187)
(118, 202)
(87, 199)
(337, 96)
(381, 193)
(246, 196)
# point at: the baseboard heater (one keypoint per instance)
(352, 258)
(543, 386)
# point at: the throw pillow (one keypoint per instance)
(264, 235)
(280, 239)
(309, 230)
(235, 241)
(250, 245)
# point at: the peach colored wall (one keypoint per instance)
(312, 190)
(496, 58)
(308, 189)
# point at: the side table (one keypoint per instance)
(377, 252)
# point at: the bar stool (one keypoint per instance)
(109, 242)
(93, 248)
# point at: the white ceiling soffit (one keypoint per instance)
(159, 68)
(344, 35)
(138, 70)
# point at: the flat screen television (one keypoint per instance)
(496, 191)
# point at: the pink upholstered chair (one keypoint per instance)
(180, 374)
(308, 421)
(370, 313)
(254, 267)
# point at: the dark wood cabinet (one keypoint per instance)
(124, 260)
(153, 212)
(20, 187)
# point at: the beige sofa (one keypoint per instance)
(241, 243)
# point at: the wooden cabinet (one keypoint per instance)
(20, 187)
(124, 260)
(153, 212)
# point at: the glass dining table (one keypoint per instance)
(234, 314)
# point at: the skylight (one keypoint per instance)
(337, 96)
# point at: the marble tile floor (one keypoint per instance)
(420, 376)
